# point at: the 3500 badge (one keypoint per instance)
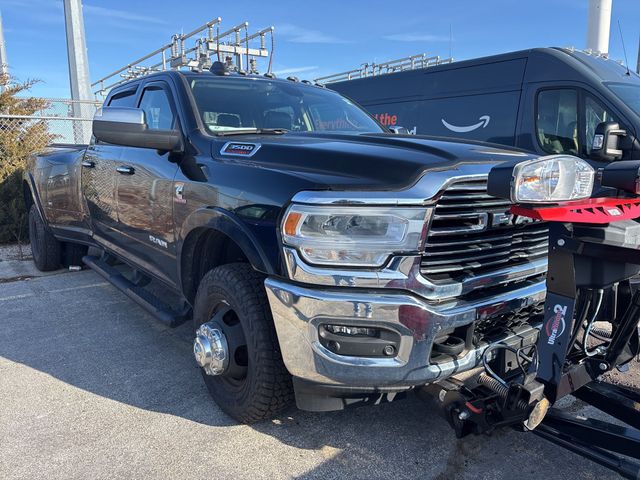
(240, 149)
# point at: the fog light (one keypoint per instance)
(352, 331)
(355, 341)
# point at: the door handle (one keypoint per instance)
(88, 164)
(125, 170)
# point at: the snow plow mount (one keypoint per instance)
(590, 327)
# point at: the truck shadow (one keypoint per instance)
(81, 331)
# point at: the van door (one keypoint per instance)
(556, 123)
(562, 120)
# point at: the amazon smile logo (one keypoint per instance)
(484, 121)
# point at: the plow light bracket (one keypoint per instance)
(623, 175)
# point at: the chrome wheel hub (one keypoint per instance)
(210, 349)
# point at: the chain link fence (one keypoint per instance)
(60, 122)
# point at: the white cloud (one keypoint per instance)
(104, 12)
(296, 34)
(294, 70)
(416, 37)
(49, 11)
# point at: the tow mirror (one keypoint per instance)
(128, 127)
(399, 130)
(606, 142)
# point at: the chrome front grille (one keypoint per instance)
(472, 233)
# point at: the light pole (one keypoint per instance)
(599, 26)
(78, 66)
(4, 67)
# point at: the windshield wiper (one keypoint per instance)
(254, 131)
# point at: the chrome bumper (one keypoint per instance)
(299, 310)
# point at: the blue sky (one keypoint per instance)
(312, 38)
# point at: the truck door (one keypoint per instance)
(144, 186)
(98, 179)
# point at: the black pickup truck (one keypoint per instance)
(319, 255)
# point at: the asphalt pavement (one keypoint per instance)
(93, 387)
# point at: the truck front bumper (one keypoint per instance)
(298, 312)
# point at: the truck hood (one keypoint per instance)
(363, 162)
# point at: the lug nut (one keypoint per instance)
(389, 350)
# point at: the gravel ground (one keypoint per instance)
(15, 252)
(92, 387)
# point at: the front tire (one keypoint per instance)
(255, 385)
(46, 250)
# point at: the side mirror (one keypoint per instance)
(399, 130)
(606, 141)
(128, 127)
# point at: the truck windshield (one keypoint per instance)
(227, 104)
(628, 93)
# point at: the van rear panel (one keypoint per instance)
(485, 117)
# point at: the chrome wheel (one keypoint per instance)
(220, 347)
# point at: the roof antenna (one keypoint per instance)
(450, 42)
(624, 49)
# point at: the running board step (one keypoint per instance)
(142, 297)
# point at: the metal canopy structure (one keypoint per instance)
(238, 48)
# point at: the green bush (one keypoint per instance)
(19, 139)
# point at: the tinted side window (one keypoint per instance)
(594, 113)
(157, 109)
(124, 99)
(557, 121)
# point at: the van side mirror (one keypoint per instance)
(128, 127)
(399, 130)
(606, 142)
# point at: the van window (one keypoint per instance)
(595, 113)
(628, 93)
(557, 121)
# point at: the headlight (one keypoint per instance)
(353, 236)
(551, 179)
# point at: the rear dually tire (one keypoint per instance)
(45, 248)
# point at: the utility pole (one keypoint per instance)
(4, 67)
(78, 66)
(638, 62)
(599, 26)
